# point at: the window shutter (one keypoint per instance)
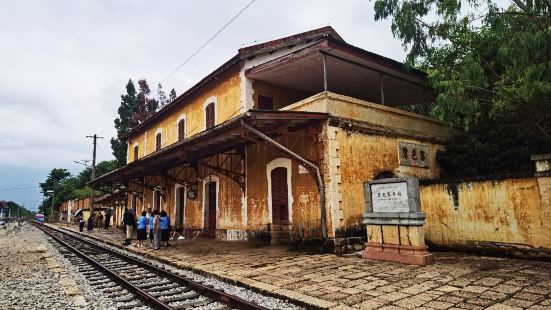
(181, 130)
(158, 142)
(209, 111)
(136, 152)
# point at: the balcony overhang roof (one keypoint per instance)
(223, 137)
(350, 71)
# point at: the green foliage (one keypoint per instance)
(490, 69)
(70, 187)
(124, 122)
(172, 95)
(23, 212)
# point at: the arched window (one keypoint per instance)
(158, 142)
(181, 129)
(209, 115)
(135, 152)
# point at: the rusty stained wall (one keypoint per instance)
(511, 211)
(227, 91)
(229, 201)
(362, 157)
(281, 96)
(305, 207)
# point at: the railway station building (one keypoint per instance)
(279, 139)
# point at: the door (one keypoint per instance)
(181, 207)
(212, 209)
(280, 205)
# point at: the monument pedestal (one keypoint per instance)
(401, 244)
(395, 222)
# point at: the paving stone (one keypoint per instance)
(388, 288)
(488, 281)
(450, 299)
(464, 305)
(410, 303)
(394, 296)
(537, 290)
(493, 295)
(356, 299)
(372, 304)
(439, 304)
(503, 307)
(518, 302)
(528, 296)
(480, 301)
(447, 288)
(475, 289)
(350, 291)
(504, 288)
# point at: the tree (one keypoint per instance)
(490, 68)
(146, 106)
(161, 96)
(16, 209)
(172, 95)
(124, 122)
(58, 180)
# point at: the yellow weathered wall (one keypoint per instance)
(379, 117)
(305, 207)
(229, 201)
(513, 211)
(363, 156)
(227, 91)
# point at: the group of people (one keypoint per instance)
(153, 223)
(96, 220)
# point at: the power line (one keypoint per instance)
(17, 188)
(208, 41)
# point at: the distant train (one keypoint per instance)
(39, 217)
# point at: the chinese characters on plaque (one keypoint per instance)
(411, 154)
(390, 197)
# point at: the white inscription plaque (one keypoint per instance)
(390, 197)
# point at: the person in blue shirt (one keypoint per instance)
(165, 228)
(141, 232)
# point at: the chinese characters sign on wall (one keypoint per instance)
(411, 154)
(390, 197)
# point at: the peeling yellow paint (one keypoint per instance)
(514, 211)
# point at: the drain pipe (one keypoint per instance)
(321, 188)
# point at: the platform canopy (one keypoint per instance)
(223, 137)
(341, 68)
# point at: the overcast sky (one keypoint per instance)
(64, 65)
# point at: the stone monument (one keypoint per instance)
(395, 222)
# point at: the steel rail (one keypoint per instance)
(215, 294)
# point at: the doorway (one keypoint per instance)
(180, 208)
(280, 201)
(210, 203)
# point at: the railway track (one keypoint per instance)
(133, 283)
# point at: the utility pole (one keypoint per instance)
(53, 198)
(95, 137)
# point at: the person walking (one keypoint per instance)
(156, 230)
(141, 232)
(108, 212)
(165, 228)
(129, 223)
(80, 222)
(91, 219)
(100, 220)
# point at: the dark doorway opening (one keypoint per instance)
(280, 205)
(181, 208)
(211, 209)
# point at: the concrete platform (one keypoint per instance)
(455, 281)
